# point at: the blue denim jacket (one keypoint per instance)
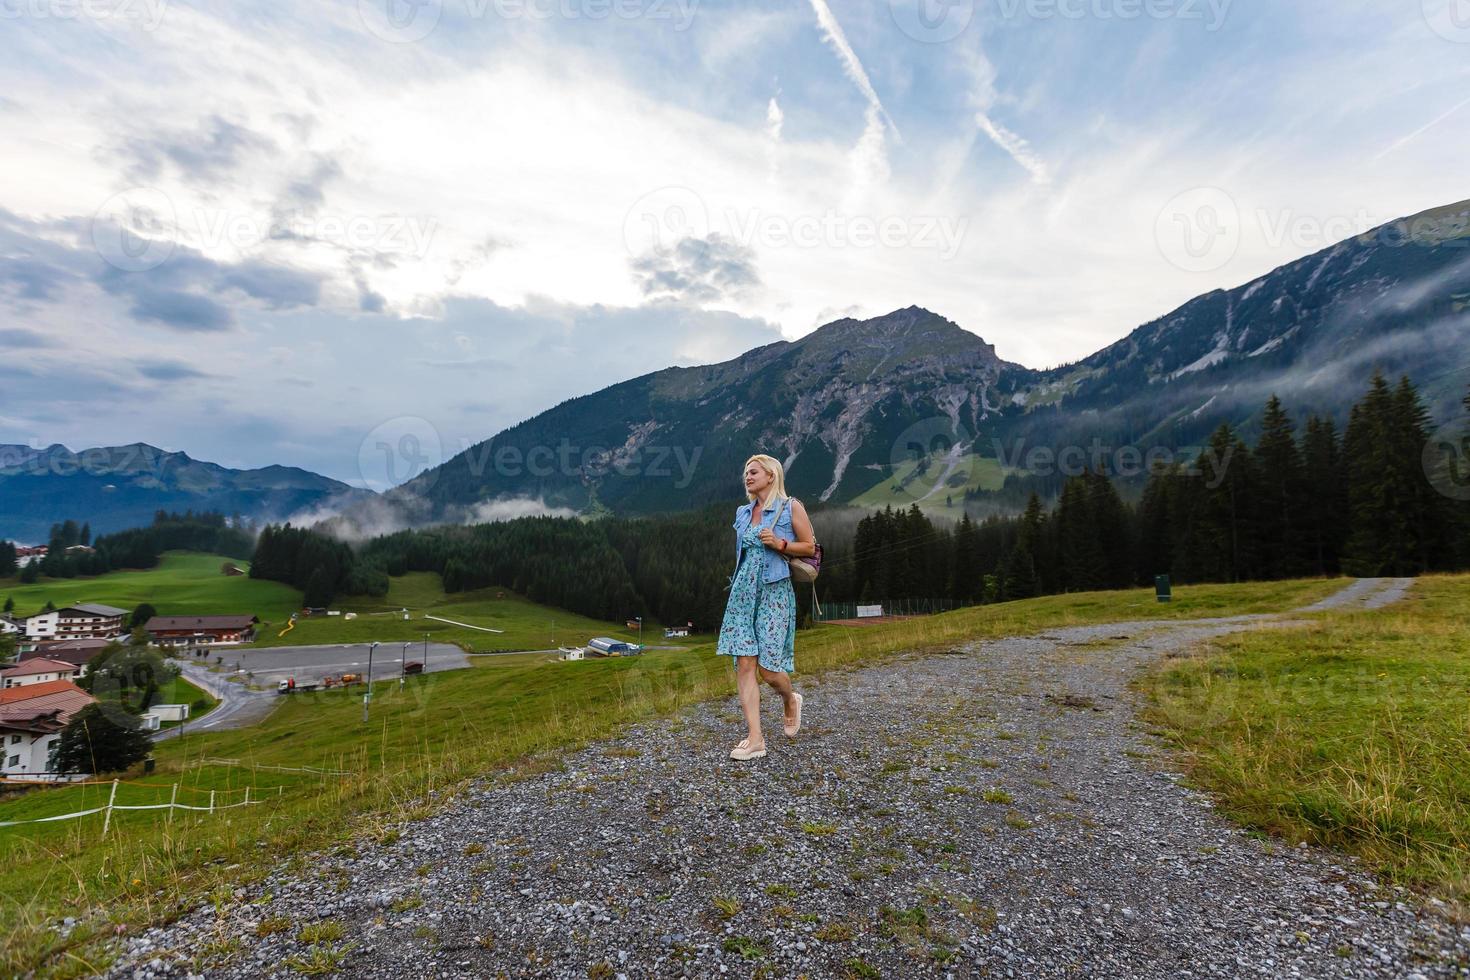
(775, 565)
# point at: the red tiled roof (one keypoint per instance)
(63, 695)
(40, 665)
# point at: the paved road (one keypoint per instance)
(997, 811)
(240, 706)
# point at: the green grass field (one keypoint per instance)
(526, 625)
(505, 715)
(183, 584)
(1353, 732)
(901, 487)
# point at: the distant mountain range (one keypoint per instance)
(909, 406)
(118, 487)
(899, 408)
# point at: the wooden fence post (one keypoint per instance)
(107, 819)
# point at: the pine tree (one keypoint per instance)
(1080, 557)
(1397, 521)
(1020, 578)
(1325, 500)
(102, 739)
(1279, 512)
(966, 585)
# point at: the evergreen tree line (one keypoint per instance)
(135, 548)
(1295, 504)
(1369, 502)
(320, 566)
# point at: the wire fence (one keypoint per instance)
(828, 610)
(172, 805)
(259, 766)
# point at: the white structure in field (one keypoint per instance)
(155, 716)
(865, 611)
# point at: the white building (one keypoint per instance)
(38, 670)
(31, 720)
(76, 622)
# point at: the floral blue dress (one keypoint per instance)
(760, 618)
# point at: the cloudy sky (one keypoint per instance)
(297, 233)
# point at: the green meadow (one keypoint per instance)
(183, 584)
(1351, 731)
(901, 487)
(503, 717)
(525, 625)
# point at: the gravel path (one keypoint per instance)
(992, 812)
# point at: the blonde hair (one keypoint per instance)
(773, 466)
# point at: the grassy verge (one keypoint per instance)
(1352, 732)
(425, 741)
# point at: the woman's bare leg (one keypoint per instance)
(781, 681)
(747, 682)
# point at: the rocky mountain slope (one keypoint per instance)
(857, 405)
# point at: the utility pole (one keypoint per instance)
(403, 665)
(368, 694)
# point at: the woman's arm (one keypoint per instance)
(805, 544)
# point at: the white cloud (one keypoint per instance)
(1018, 148)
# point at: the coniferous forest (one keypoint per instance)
(1303, 501)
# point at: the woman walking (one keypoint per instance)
(759, 629)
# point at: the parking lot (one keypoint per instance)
(308, 665)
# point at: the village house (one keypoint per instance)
(31, 720)
(74, 622)
(38, 670)
(192, 631)
(74, 652)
